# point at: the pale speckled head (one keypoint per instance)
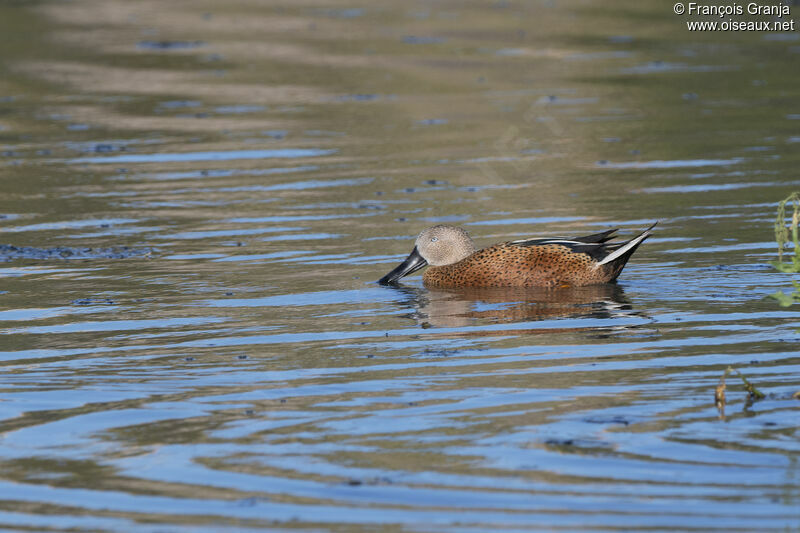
(444, 245)
(436, 246)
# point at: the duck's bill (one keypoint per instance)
(413, 262)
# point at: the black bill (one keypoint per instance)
(413, 262)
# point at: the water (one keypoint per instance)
(197, 199)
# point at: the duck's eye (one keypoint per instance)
(434, 239)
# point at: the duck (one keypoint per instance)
(453, 260)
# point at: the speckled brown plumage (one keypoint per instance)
(510, 265)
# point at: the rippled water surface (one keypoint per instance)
(198, 196)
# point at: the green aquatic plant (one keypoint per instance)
(784, 235)
(784, 299)
(752, 391)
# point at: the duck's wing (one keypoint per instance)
(598, 237)
(595, 245)
(596, 250)
(587, 239)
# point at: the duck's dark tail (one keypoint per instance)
(615, 261)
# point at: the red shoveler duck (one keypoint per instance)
(453, 261)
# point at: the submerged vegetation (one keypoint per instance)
(784, 235)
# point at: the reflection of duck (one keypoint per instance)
(556, 262)
(466, 306)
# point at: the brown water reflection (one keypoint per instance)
(467, 306)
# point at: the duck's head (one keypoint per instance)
(436, 246)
